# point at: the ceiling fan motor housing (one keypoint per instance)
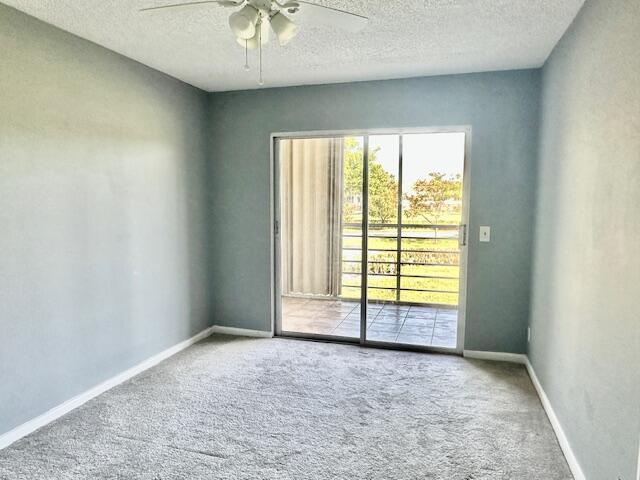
(262, 5)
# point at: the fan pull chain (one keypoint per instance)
(246, 55)
(260, 81)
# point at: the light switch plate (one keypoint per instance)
(485, 234)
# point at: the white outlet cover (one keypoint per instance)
(485, 234)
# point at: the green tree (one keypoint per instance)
(383, 186)
(431, 197)
(383, 194)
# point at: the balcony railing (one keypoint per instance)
(406, 263)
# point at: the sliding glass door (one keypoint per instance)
(370, 237)
(320, 192)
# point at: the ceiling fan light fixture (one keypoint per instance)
(243, 22)
(254, 42)
(284, 28)
(248, 43)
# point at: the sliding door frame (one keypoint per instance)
(274, 163)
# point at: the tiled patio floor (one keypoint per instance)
(414, 325)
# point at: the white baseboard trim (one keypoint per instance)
(574, 466)
(73, 403)
(496, 356)
(65, 407)
(241, 332)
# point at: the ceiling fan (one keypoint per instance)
(250, 23)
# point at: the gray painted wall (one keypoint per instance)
(502, 109)
(102, 248)
(585, 324)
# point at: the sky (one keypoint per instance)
(421, 153)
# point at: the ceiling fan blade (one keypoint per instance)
(314, 13)
(223, 3)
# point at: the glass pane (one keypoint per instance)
(321, 235)
(384, 315)
(433, 166)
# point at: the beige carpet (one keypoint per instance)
(232, 408)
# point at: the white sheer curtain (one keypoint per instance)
(311, 209)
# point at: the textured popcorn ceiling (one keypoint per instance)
(403, 39)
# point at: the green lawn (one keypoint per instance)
(438, 253)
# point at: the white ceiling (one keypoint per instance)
(403, 39)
